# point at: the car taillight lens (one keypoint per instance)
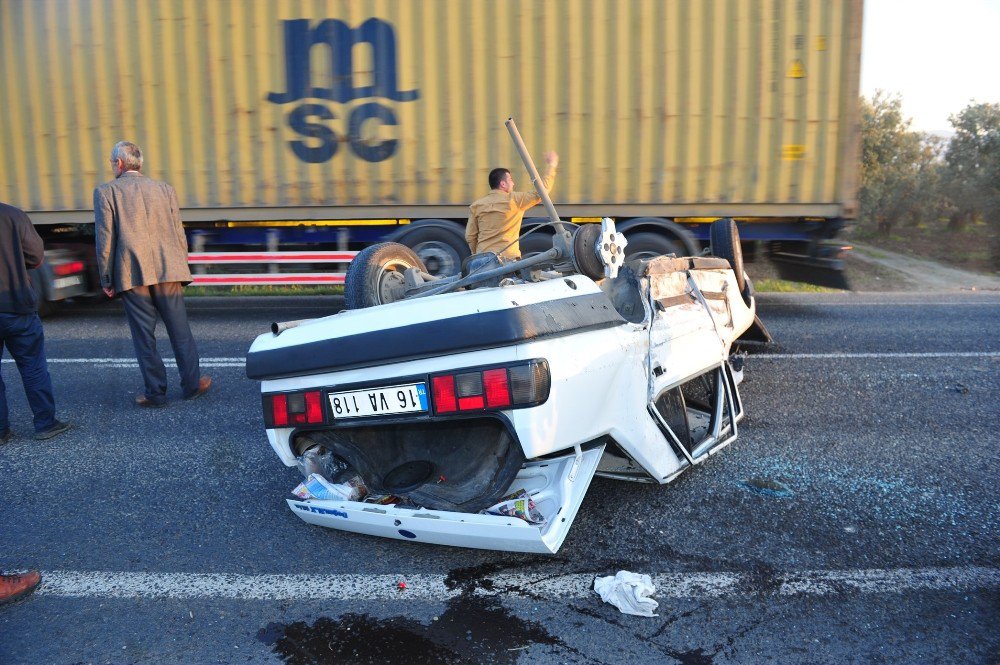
(290, 409)
(506, 387)
(68, 268)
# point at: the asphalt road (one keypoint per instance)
(855, 519)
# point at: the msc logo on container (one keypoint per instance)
(309, 119)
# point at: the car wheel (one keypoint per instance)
(585, 253)
(441, 250)
(725, 243)
(376, 275)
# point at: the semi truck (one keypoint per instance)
(333, 125)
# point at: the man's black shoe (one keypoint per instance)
(142, 400)
(55, 429)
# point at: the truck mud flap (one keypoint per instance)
(811, 270)
(556, 485)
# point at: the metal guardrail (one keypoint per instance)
(200, 259)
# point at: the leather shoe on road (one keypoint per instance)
(204, 383)
(13, 587)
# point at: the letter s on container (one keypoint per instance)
(299, 120)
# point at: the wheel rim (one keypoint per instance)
(391, 283)
(439, 258)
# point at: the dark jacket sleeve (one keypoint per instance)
(31, 243)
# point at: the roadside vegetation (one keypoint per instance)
(293, 290)
(928, 196)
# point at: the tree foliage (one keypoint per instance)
(972, 166)
(909, 178)
(900, 169)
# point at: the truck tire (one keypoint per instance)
(649, 245)
(535, 243)
(725, 243)
(441, 250)
(375, 276)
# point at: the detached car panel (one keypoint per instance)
(557, 487)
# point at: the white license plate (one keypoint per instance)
(63, 282)
(408, 398)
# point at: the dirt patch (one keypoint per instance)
(872, 268)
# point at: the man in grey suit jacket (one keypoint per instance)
(142, 255)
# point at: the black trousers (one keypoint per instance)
(142, 304)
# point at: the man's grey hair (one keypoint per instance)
(129, 153)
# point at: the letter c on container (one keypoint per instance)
(371, 152)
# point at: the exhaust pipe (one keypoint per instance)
(278, 328)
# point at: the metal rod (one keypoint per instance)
(507, 269)
(533, 172)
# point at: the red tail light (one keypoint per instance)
(279, 410)
(290, 409)
(68, 268)
(507, 387)
(443, 392)
(497, 388)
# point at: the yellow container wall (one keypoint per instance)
(647, 101)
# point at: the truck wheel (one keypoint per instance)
(441, 250)
(725, 243)
(375, 276)
(535, 243)
(649, 245)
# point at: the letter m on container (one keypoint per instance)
(339, 39)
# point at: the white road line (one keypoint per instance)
(98, 584)
(132, 363)
(240, 362)
(929, 354)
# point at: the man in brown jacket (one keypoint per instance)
(142, 255)
(495, 220)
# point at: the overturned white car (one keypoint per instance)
(478, 417)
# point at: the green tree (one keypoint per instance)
(972, 172)
(899, 168)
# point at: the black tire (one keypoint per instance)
(375, 276)
(535, 243)
(725, 243)
(584, 251)
(441, 250)
(649, 245)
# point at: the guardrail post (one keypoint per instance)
(197, 247)
(273, 240)
(342, 236)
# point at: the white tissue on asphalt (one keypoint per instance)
(629, 592)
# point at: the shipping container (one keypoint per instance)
(303, 117)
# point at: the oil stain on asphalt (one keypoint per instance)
(473, 629)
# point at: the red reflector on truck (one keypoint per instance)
(68, 268)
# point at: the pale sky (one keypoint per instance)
(937, 54)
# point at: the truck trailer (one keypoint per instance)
(334, 125)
